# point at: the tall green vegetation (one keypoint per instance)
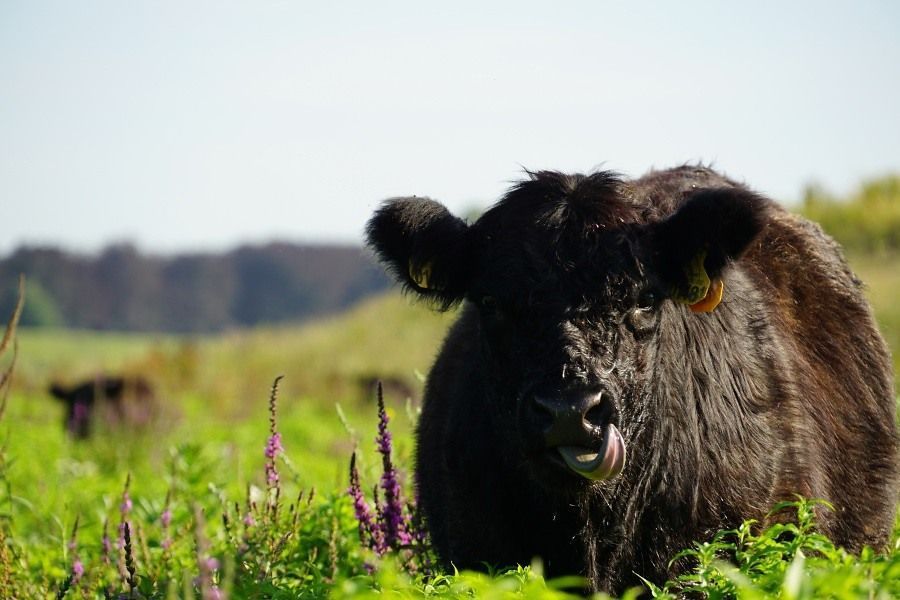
(867, 221)
(253, 502)
(8, 340)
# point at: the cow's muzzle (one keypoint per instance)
(578, 426)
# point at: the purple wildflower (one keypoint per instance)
(72, 546)
(392, 518)
(121, 541)
(124, 509)
(165, 520)
(273, 444)
(77, 570)
(369, 531)
(273, 447)
(249, 521)
(127, 567)
(106, 544)
(206, 564)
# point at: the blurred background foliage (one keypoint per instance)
(865, 221)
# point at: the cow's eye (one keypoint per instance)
(489, 303)
(643, 317)
(648, 300)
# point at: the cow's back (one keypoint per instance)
(836, 410)
(842, 406)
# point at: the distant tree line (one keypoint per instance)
(123, 289)
(867, 220)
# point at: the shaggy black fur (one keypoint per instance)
(784, 388)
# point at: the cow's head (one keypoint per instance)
(79, 404)
(569, 278)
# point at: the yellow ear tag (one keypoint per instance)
(422, 275)
(696, 283)
(712, 299)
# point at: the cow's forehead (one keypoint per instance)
(573, 232)
(556, 203)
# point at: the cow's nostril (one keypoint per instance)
(599, 414)
(572, 418)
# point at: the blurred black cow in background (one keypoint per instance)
(111, 401)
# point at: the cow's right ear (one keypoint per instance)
(424, 246)
(693, 246)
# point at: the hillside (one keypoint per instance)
(331, 359)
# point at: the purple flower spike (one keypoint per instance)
(106, 544)
(121, 542)
(165, 518)
(271, 475)
(273, 446)
(124, 508)
(393, 521)
(77, 569)
(369, 531)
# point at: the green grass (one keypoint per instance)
(207, 454)
(881, 274)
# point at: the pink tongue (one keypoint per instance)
(605, 464)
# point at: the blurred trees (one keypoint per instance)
(122, 289)
(867, 221)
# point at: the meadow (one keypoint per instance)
(241, 490)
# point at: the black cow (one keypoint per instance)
(113, 401)
(637, 365)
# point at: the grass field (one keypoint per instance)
(206, 460)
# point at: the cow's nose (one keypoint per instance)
(573, 418)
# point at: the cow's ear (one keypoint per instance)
(59, 392)
(424, 246)
(692, 247)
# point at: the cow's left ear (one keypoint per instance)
(424, 246)
(692, 247)
(59, 392)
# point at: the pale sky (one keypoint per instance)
(202, 125)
